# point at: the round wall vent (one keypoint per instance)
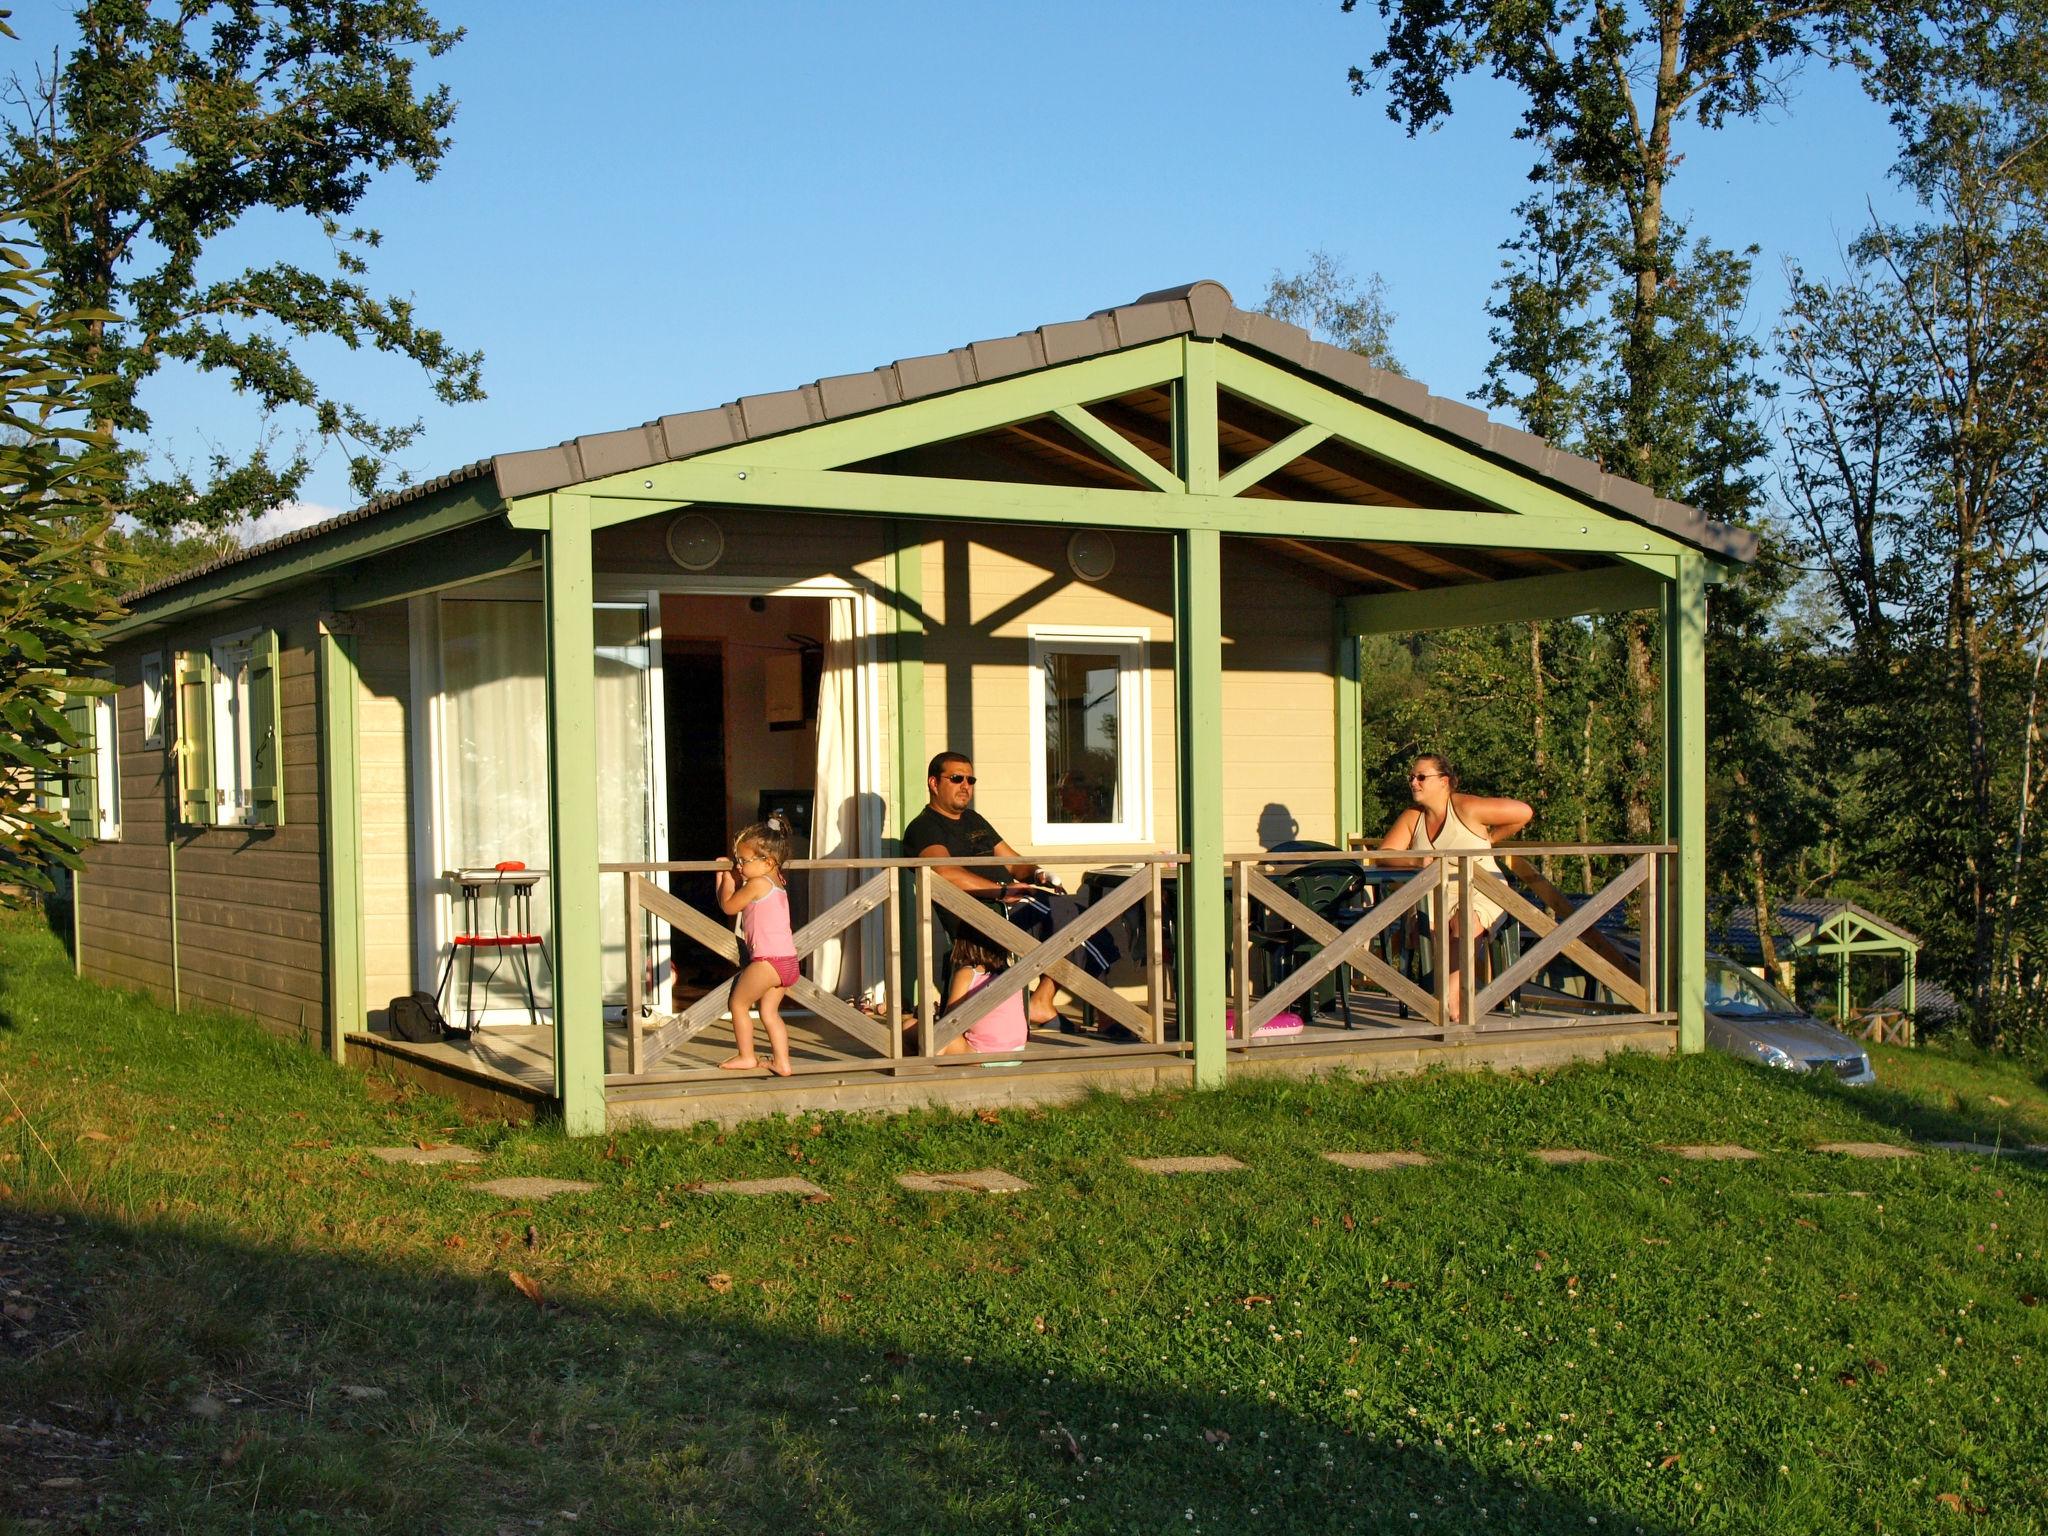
(1092, 554)
(695, 542)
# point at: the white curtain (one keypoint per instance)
(625, 797)
(494, 757)
(495, 770)
(836, 813)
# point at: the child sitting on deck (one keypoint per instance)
(975, 965)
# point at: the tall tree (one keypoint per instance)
(1615, 333)
(1918, 446)
(1606, 86)
(156, 131)
(1324, 297)
(55, 472)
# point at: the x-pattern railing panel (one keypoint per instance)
(722, 942)
(1036, 957)
(1340, 947)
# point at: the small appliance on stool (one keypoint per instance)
(511, 928)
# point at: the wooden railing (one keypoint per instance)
(1444, 884)
(882, 893)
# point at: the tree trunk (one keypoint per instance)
(1585, 778)
(1760, 889)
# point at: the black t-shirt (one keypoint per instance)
(967, 836)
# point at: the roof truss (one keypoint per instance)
(808, 468)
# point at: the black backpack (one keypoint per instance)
(417, 1017)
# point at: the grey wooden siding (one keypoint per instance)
(251, 911)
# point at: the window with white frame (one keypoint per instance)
(153, 701)
(106, 768)
(231, 716)
(1090, 704)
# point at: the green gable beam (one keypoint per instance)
(572, 770)
(1113, 445)
(1267, 460)
(1414, 448)
(457, 507)
(1861, 947)
(966, 411)
(623, 498)
(1564, 595)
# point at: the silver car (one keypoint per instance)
(1750, 1018)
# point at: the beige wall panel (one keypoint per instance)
(384, 774)
(985, 590)
(1279, 701)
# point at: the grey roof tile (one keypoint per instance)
(930, 375)
(848, 394)
(1071, 340)
(613, 453)
(1137, 324)
(701, 431)
(534, 471)
(1454, 416)
(1011, 354)
(783, 411)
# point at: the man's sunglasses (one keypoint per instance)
(957, 778)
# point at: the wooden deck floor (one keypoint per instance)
(1057, 1067)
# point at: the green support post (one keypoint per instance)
(1685, 794)
(1350, 735)
(572, 777)
(341, 833)
(1912, 981)
(1198, 673)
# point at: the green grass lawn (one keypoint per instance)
(242, 1322)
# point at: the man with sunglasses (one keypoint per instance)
(949, 825)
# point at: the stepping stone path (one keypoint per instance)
(782, 1186)
(1983, 1148)
(1565, 1157)
(1715, 1152)
(427, 1154)
(1377, 1161)
(533, 1189)
(986, 1181)
(1866, 1149)
(1185, 1164)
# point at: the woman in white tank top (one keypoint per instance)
(1445, 819)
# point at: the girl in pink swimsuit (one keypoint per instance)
(754, 892)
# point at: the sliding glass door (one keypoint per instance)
(493, 773)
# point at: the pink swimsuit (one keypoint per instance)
(764, 924)
(1006, 1029)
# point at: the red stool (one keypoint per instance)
(510, 907)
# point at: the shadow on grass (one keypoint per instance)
(290, 1390)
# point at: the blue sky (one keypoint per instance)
(660, 207)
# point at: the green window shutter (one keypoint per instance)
(78, 769)
(195, 739)
(266, 733)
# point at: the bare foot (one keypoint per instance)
(739, 1064)
(779, 1068)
